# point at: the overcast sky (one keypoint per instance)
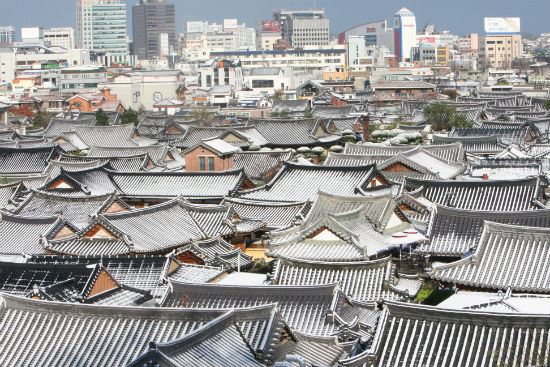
(459, 16)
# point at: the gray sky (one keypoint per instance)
(459, 16)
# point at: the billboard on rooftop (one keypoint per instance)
(271, 26)
(502, 25)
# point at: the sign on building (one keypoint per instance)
(502, 25)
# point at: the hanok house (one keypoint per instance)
(210, 155)
(393, 90)
(168, 106)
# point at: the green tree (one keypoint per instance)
(444, 117)
(41, 119)
(129, 117)
(309, 114)
(546, 105)
(459, 121)
(204, 115)
(452, 93)
(101, 118)
(278, 95)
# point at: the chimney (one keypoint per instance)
(106, 93)
(485, 176)
(365, 123)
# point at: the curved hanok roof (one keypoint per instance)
(257, 164)
(297, 182)
(24, 235)
(276, 215)
(149, 273)
(363, 281)
(9, 192)
(304, 308)
(453, 232)
(172, 224)
(25, 160)
(453, 152)
(507, 256)
(419, 335)
(58, 126)
(100, 335)
(489, 144)
(485, 195)
(76, 209)
(191, 185)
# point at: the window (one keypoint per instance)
(211, 163)
(202, 164)
(263, 83)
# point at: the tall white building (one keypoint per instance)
(404, 34)
(63, 37)
(101, 28)
(7, 35)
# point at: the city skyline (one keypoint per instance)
(452, 16)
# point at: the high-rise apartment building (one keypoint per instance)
(404, 34)
(154, 28)
(301, 28)
(7, 35)
(101, 28)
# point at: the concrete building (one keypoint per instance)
(63, 37)
(433, 55)
(221, 72)
(152, 20)
(309, 60)
(301, 28)
(468, 43)
(221, 41)
(267, 80)
(101, 28)
(404, 34)
(31, 35)
(502, 43)
(206, 38)
(269, 32)
(7, 35)
(82, 79)
(142, 89)
(22, 57)
(374, 33)
(444, 39)
(499, 51)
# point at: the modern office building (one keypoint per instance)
(63, 37)
(153, 21)
(301, 28)
(101, 28)
(7, 35)
(404, 34)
